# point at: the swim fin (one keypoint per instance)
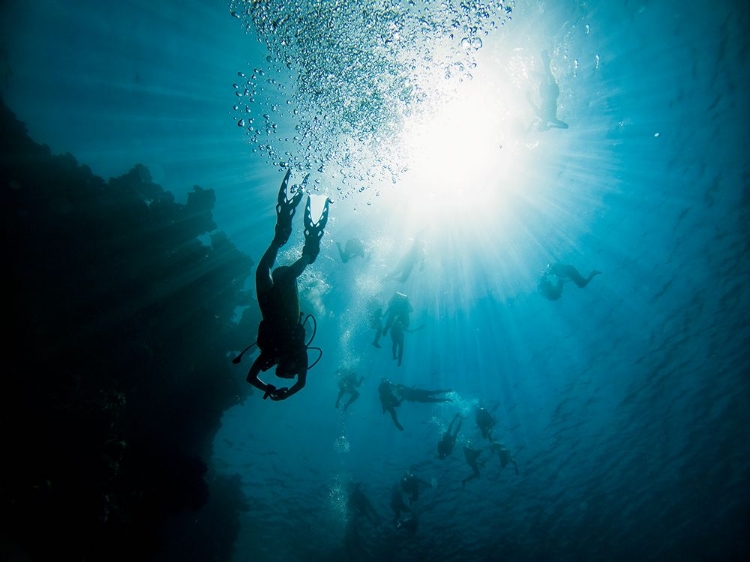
(285, 209)
(314, 231)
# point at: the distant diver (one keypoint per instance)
(397, 338)
(360, 505)
(562, 273)
(549, 91)
(504, 455)
(411, 484)
(281, 334)
(397, 502)
(399, 309)
(485, 422)
(348, 384)
(389, 401)
(354, 247)
(448, 440)
(471, 454)
(415, 255)
(375, 319)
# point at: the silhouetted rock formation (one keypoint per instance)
(119, 331)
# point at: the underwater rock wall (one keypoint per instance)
(119, 333)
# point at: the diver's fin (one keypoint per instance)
(285, 209)
(314, 231)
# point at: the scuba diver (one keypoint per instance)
(562, 273)
(348, 383)
(471, 455)
(448, 440)
(397, 338)
(416, 254)
(375, 319)
(549, 91)
(485, 422)
(360, 505)
(354, 247)
(504, 455)
(399, 308)
(281, 334)
(397, 503)
(389, 401)
(411, 485)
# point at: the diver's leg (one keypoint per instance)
(400, 351)
(355, 395)
(378, 333)
(474, 474)
(573, 274)
(340, 396)
(388, 322)
(428, 396)
(590, 277)
(344, 257)
(569, 273)
(395, 419)
(298, 267)
(263, 279)
(458, 427)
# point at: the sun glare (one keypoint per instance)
(467, 152)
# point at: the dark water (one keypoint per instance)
(129, 433)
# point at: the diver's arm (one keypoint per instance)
(283, 394)
(558, 124)
(252, 377)
(296, 269)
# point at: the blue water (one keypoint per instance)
(626, 404)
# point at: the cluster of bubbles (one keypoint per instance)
(341, 77)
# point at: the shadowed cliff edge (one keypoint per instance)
(120, 326)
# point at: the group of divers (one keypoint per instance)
(281, 333)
